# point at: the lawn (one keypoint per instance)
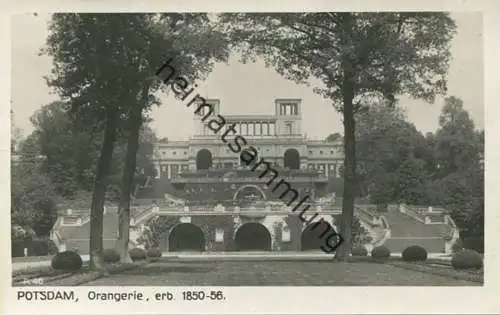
(275, 273)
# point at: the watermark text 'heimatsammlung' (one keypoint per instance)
(238, 144)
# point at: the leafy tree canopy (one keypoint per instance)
(72, 150)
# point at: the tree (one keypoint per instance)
(33, 200)
(72, 150)
(69, 150)
(192, 40)
(459, 181)
(333, 137)
(359, 58)
(147, 140)
(86, 63)
(134, 46)
(392, 156)
(457, 143)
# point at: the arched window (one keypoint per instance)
(292, 159)
(203, 160)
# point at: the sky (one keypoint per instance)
(248, 88)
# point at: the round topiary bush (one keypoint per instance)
(381, 252)
(154, 252)
(110, 256)
(467, 259)
(137, 254)
(414, 253)
(359, 251)
(68, 260)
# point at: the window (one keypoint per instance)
(174, 153)
(250, 128)
(331, 152)
(285, 235)
(185, 153)
(219, 235)
(289, 128)
(321, 152)
(310, 152)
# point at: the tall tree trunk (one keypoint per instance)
(349, 171)
(99, 193)
(127, 183)
(347, 89)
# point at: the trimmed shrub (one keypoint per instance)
(137, 254)
(67, 260)
(414, 253)
(110, 256)
(467, 259)
(381, 252)
(154, 252)
(359, 251)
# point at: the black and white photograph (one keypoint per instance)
(206, 151)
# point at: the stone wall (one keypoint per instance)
(219, 231)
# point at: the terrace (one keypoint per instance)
(244, 175)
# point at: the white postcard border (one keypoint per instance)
(283, 300)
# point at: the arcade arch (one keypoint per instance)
(186, 237)
(253, 236)
(313, 237)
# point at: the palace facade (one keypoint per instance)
(278, 138)
(225, 205)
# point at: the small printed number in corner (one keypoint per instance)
(34, 281)
(202, 296)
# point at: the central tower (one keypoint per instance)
(289, 117)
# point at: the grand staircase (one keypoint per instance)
(406, 231)
(394, 229)
(77, 237)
